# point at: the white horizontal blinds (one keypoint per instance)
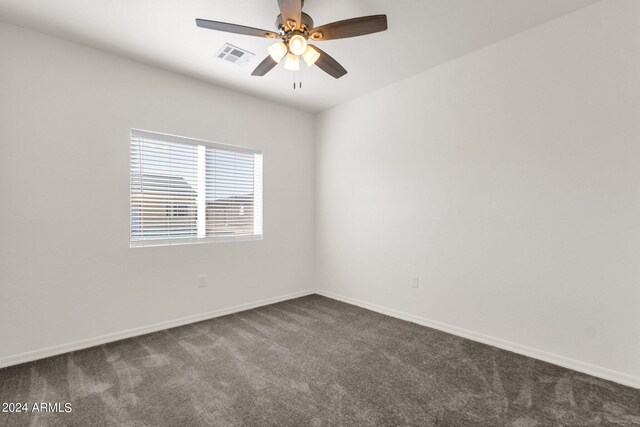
(189, 191)
(230, 193)
(164, 189)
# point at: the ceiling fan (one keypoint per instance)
(294, 28)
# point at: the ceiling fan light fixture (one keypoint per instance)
(278, 51)
(292, 63)
(310, 56)
(297, 44)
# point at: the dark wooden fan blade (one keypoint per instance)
(350, 28)
(264, 67)
(291, 10)
(329, 65)
(233, 28)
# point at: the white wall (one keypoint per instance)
(66, 270)
(509, 180)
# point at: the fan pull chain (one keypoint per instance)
(299, 79)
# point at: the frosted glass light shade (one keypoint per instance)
(292, 63)
(297, 44)
(278, 51)
(310, 56)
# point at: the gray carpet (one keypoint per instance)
(309, 361)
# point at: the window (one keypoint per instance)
(189, 191)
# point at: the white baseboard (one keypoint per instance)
(576, 365)
(116, 336)
(566, 362)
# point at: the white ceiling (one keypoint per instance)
(422, 34)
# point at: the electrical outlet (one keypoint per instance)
(415, 283)
(201, 282)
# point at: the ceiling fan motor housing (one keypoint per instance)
(307, 23)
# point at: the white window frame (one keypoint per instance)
(201, 194)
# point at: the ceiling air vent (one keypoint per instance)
(234, 54)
